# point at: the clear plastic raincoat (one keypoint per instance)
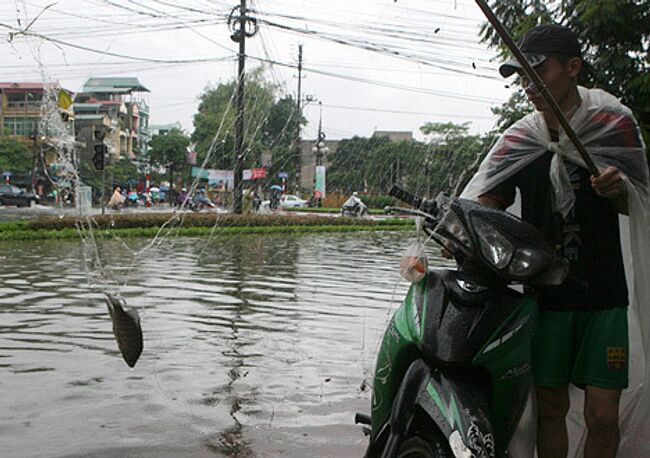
(611, 135)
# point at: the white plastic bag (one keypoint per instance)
(414, 264)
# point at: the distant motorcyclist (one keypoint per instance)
(131, 198)
(181, 197)
(354, 206)
(117, 199)
(201, 200)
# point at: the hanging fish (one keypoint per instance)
(126, 329)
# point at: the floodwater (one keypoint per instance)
(255, 346)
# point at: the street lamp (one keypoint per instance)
(319, 149)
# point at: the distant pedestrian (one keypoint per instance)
(257, 202)
(116, 199)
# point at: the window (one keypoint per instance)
(23, 127)
(24, 99)
(15, 97)
(9, 189)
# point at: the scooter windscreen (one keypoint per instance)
(511, 248)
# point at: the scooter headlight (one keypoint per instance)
(526, 262)
(494, 245)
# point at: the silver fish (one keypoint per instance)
(126, 329)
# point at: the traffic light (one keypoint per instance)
(100, 154)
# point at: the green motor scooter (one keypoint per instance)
(453, 371)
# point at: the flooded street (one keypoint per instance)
(253, 346)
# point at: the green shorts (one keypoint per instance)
(584, 347)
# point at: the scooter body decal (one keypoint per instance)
(449, 411)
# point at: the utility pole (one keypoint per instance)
(299, 111)
(99, 160)
(239, 35)
(34, 138)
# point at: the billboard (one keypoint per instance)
(320, 180)
(216, 177)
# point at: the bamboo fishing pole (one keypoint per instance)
(539, 84)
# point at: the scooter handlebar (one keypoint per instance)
(427, 206)
(405, 196)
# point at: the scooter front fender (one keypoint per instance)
(460, 410)
(457, 408)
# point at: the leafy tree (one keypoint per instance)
(425, 168)
(124, 171)
(14, 156)
(353, 166)
(512, 111)
(270, 124)
(169, 150)
(614, 35)
(452, 154)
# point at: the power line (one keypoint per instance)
(383, 83)
(388, 110)
(109, 53)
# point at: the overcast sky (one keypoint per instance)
(442, 72)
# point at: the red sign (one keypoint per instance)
(259, 173)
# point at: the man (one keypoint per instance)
(116, 199)
(582, 329)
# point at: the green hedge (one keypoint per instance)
(148, 224)
(132, 220)
(379, 202)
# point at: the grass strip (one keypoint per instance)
(68, 233)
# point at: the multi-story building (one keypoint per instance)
(21, 110)
(20, 118)
(117, 106)
(395, 135)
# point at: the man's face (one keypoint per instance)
(559, 78)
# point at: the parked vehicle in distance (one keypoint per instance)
(289, 201)
(13, 195)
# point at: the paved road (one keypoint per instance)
(11, 213)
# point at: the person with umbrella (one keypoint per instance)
(275, 196)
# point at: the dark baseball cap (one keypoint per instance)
(542, 41)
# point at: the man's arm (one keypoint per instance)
(491, 201)
(610, 184)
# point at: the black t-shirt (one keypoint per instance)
(589, 237)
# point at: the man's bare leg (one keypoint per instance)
(552, 407)
(601, 415)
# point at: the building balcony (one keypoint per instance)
(27, 108)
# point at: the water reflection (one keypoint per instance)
(248, 340)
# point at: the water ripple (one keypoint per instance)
(241, 331)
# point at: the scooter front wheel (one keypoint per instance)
(418, 447)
